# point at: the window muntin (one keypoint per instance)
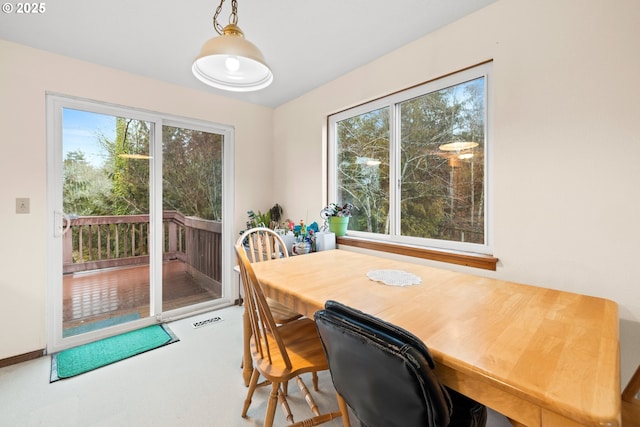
(415, 164)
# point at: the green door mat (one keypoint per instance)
(88, 357)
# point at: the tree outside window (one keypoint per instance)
(414, 164)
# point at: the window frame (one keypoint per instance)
(395, 242)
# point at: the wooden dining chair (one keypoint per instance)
(280, 353)
(263, 244)
(630, 405)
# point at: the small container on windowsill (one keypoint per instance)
(325, 240)
(289, 240)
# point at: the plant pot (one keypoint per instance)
(338, 225)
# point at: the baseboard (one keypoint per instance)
(21, 358)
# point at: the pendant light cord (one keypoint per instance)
(233, 19)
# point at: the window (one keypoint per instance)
(415, 164)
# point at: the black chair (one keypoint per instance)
(385, 374)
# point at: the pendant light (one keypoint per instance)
(229, 61)
(463, 149)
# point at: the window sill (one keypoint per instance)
(486, 262)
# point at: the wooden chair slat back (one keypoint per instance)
(263, 326)
(263, 244)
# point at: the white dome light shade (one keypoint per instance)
(230, 62)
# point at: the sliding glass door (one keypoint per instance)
(137, 203)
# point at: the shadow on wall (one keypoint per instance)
(629, 349)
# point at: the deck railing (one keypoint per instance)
(96, 242)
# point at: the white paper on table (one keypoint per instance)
(394, 277)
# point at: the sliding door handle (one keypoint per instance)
(61, 223)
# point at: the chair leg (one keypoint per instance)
(315, 381)
(271, 407)
(307, 396)
(285, 406)
(252, 387)
(344, 410)
(247, 363)
(630, 391)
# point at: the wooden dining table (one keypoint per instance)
(539, 356)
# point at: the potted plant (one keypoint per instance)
(337, 217)
(270, 218)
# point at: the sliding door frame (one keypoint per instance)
(55, 103)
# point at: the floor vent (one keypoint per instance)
(205, 322)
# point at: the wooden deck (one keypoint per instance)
(97, 295)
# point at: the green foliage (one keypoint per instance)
(270, 218)
(258, 219)
(192, 173)
(130, 176)
(192, 176)
(85, 189)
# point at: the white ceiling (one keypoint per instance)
(306, 43)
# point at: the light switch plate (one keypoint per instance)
(22, 205)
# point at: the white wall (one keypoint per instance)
(565, 147)
(25, 75)
(565, 138)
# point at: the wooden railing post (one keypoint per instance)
(173, 237)
(67, 247)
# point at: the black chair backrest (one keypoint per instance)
(383, 372)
